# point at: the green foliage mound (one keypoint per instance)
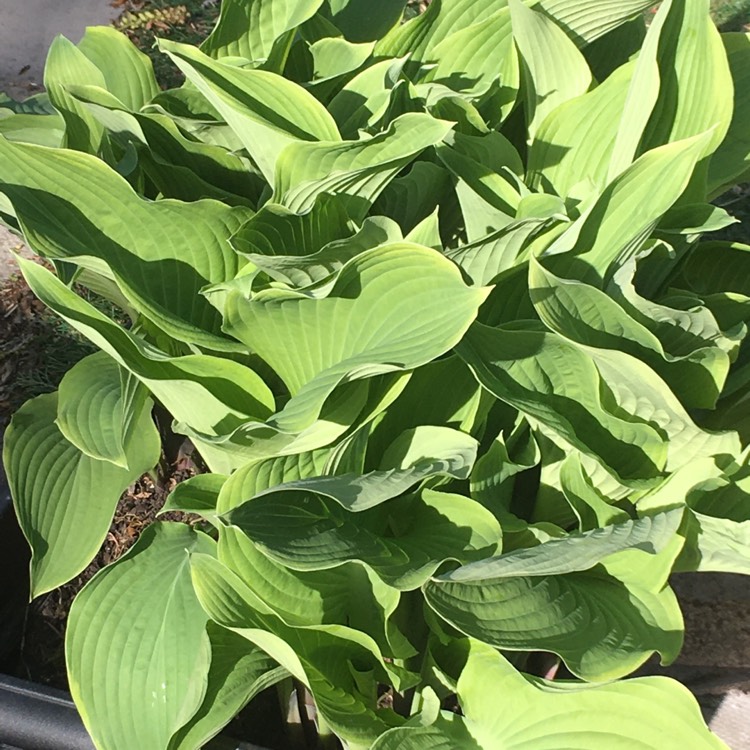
(434, 304)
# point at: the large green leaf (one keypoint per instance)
(693, 98)
(63, 201)
(348, 595)
(412, 197)
(443, 392)
(312, 269)
(361, 169)
(414, 456)
(328, 659)
(554, 382)
(63, 498)
(128, 73)
(587, 315)
(553, 70)
(179, 165)
(541, 714)
(320, 534)
(487, 165)
(138, 691)
(598, 599)
(41, 129)
(589, 505)
(99, 410)
(211, 394)
(486, 258)
(732, 158)
(256, 29)
(66, 64)
(334, 57)
(615, 225)
(239, 671)
(365, 21)
(364, 99)
(573, 146)
(587, 20)
(419, 37)
(422, 305)
(266, 111)
(480, 60)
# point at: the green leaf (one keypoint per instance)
(412, 197)
(334, 57)
(198, 494)
(361, 169)
(574, 144)
(480, 61)
(327, 658)
(364, 99)
(63, 201)
(537, 713)
(255, 477)
(598, 599)
(611, 230)
(414, 456)
(266, 112)
(587, 20)
(638, 390)
(423, 309)
(96, 413)
(590, 506)
(364, 21)
(587, 315)
(43, 130)
(419, 37)
(732, 158)
(255, 29)
(320, 534)
(574, 553)
(693, 99)
(128, 73)
(716, 544)
(137, 692)
(486, 258)
(442, 393)
(275, 230)
(314, 269)
(488, 166)
(553, 71)
(493, 478)
(63, 498)
(66, 64)
(179, 165)
(552, 381)
(348, 595)
(239, 671)
(715, 267)
(228, 394)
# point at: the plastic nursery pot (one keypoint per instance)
(33, 717)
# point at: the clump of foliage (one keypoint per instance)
(434, 303)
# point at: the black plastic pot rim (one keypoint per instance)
(35, 717)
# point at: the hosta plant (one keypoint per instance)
(438, 306)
